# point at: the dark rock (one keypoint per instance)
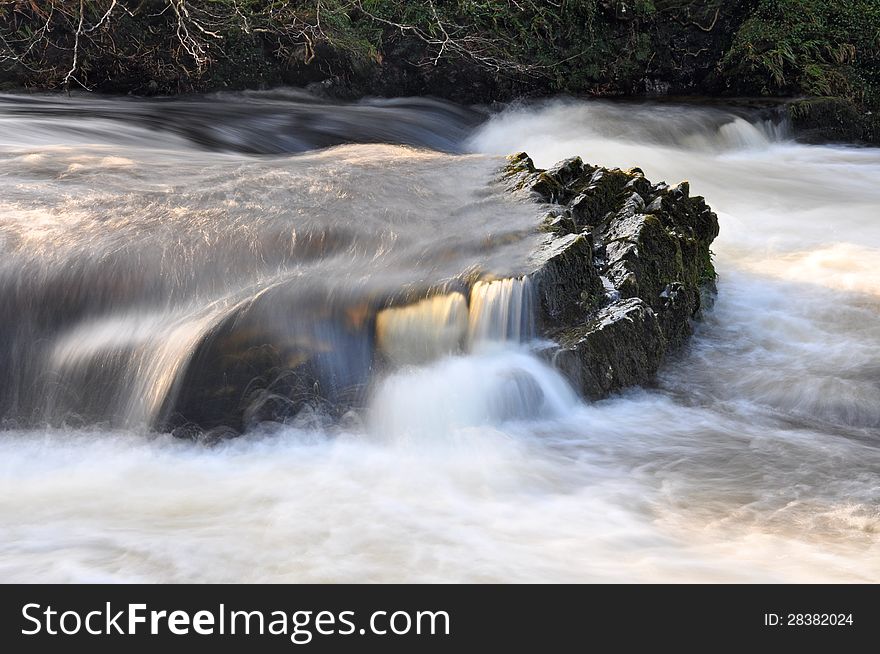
(567, 171)
(621, 346)
(560, 223)
(566, 281)
(598, 196)
(829, 119)
(546, 187)
(270, 359)
(624, 275)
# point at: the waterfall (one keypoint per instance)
(123, 367)
(423, 331)
(501, 311)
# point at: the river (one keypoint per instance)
(130, 227)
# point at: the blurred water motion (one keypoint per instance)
(136, 232)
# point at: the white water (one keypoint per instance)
(756, 459)
(501, 310)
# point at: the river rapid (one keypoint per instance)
(129, 227)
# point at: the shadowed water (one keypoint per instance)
(754, 458)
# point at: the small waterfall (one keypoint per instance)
(501, 311)
(126, 367)
(438, 403)
(741, 134)
(423, 331)
(122, 367)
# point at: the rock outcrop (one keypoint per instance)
(622, 272)
(625, 269)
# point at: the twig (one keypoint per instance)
(79, 30)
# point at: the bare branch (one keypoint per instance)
(104, 18)
(79, 30)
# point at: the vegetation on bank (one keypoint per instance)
(828, 50)
(469, 50)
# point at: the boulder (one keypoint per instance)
(624, 272)
(621, 345)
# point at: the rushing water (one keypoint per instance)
(130, 229)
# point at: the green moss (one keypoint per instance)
(707, 274)
(519, 162)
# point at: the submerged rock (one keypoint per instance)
(625, 271)
(270, 360)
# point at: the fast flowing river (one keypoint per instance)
(129, 229)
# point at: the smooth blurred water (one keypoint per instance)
(755, 457)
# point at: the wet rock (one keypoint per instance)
(598, 196)
(567, 171)
(271, 359)
(622, 345)
(518, 169)
(546, 187)
(625, 272)
(566, 281)
(560, 223)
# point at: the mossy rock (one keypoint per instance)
(822, 120)
(566, 281)
(622, 345)
(626, 269)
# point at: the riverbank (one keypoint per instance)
(473, 53)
